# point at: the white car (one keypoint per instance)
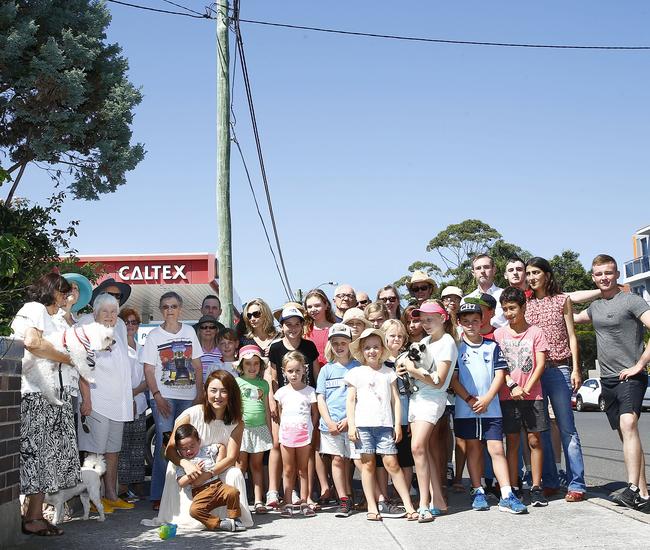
(588, 396)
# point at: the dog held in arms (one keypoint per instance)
(80, 342)
(88, 490)
(422, 358)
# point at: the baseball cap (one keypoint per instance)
(468, 307)
(430, 307)
(339, 329)
(483, 300)
(289, 312)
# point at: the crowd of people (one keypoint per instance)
(296, 399)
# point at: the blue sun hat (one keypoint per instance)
(85, 289)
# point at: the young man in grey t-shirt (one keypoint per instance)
(620, 320)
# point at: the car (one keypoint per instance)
(589, 396)
(646, 399)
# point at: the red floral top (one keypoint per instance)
(548, 314)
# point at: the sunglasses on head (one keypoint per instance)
(390, 299)
(254, 314)
(420, 288)
(208, 327)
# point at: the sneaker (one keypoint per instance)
(527, 480)
(450, 475)
(344, 509)
(564, 482)
(118, 504)
(231, 525)
(537, 497)
(295, 499)
(479, 502)
(513, 505)
(574, 496)
(642, 505)
(627, 497)
(389, 510)
(272, 499)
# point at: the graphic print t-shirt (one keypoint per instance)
(519, 351)
(171, 355)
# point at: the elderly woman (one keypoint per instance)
(107, 403)
(49, 460)
(130, 466)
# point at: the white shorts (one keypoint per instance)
(104, 435)
(426, 410)
(256, 439)
(338, 445)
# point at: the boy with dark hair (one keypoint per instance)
(480, 372)
(524, 347)
(620, 320)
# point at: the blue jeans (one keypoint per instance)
(556, 385)
(163, 425)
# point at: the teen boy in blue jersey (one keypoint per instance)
(480, 372)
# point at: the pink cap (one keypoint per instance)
(430, 307)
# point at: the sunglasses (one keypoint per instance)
(208, 327)
(364, 302)
(85, 427)
(390, 299)
(131, 323)
(254, 314)
(116, 295)
(419, 288)
(169, 306)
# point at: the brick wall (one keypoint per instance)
(11, 353)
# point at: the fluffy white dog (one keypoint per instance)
(88, 490)
(80, 342)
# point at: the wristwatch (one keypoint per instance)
(469, 398)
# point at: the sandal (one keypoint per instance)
(458, 487)
(287, 511)
(314, 505)
(307, 510)
(425, 515)
(372, 516)
(48, 531)
(259, 508)
(412, 516)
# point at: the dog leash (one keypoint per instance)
(85, 342)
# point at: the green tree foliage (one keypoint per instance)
(30, 245)
(569, 272)
(65, 100)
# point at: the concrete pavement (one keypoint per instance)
(595, 523)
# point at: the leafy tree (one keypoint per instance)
(569, 272)
(30, 246)
(65, 100)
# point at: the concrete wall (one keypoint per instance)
(11, 353)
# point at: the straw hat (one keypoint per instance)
(355, 314)
(421, 277)
(355, 346)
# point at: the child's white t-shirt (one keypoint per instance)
(296, 426)
(373, 388)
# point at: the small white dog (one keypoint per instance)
(88, 490)
(80, 342)
(421, 356)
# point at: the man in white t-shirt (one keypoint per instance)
(174, 374)
(484, 271)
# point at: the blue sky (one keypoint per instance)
(374, 146)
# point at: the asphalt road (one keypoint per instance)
(603, 450)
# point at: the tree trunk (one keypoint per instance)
(17, 179)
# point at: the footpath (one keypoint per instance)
(594, 523)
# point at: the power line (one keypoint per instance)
(440, 40)
(158, 10)
(183, 7)
(390, 36)
(251, 108)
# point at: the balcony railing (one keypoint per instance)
(638, 266)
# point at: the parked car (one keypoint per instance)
(588, 396)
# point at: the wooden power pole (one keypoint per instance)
(223, 165)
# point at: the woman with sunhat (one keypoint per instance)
(421, 287)
(79, 298)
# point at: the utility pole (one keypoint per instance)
(223, 165)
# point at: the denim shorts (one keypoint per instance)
(376, 439)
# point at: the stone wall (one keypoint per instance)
(11, 353)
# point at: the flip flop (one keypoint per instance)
(372, 516)
(412, 516)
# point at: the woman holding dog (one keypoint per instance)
(49, 459)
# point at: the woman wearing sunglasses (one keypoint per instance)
(390, 297)
(260, 330)
(208, 330)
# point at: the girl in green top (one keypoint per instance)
(257, 419)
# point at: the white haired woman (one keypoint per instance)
(107, 403)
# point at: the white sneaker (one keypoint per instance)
(232, 525)
(295, 499)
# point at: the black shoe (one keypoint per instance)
(344, 509)
(642, 505)
(627, 497)
(537, 497)
(389, 510)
